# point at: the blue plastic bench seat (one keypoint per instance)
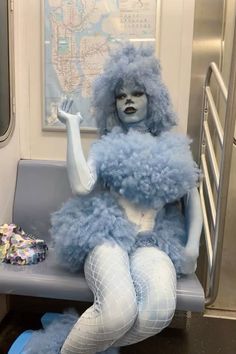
(41, 188)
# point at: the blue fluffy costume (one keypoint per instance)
(147, 166)
(137, 169)
(146, 170)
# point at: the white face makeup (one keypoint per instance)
(131, 104)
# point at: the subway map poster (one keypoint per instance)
(77, 37)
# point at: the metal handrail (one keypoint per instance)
(215, 227)
(213, 68)
(206, 229)
(215, 115)
(209, 145)
(209, 189)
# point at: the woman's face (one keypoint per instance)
(131, 103)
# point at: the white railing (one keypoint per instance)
(214, 186)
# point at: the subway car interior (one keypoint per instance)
(64, 66)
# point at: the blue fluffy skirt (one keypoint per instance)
(85, 222)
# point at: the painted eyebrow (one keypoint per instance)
(138, 91)
(120, 95)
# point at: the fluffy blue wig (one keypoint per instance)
(139, 66)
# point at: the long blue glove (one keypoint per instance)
(82, 175)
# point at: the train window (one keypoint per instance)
(6, 114)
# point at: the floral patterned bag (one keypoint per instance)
(17, 247)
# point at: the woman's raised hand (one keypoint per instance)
(63, 112)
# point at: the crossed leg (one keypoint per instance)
(154, 279)
(115, 307)
(113, 319)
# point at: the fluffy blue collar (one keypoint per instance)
(148, 171)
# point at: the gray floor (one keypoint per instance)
(204, 336)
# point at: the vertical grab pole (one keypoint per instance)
(224, 180)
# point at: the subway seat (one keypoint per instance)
(41, 188)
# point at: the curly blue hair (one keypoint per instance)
(140, 66)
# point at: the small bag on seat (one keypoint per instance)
(17, 247)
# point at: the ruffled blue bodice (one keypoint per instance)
(149, 171)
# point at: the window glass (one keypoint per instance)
(5, 111)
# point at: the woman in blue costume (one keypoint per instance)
(125, 225)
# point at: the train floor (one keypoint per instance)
(203, 336)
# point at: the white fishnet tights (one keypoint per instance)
(129, 304)
(115, 307)
(154, 279)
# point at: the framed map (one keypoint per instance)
(77, 37)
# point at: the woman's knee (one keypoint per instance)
(108, 276)
(122, 317)
(159, 309)
(156, 284)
